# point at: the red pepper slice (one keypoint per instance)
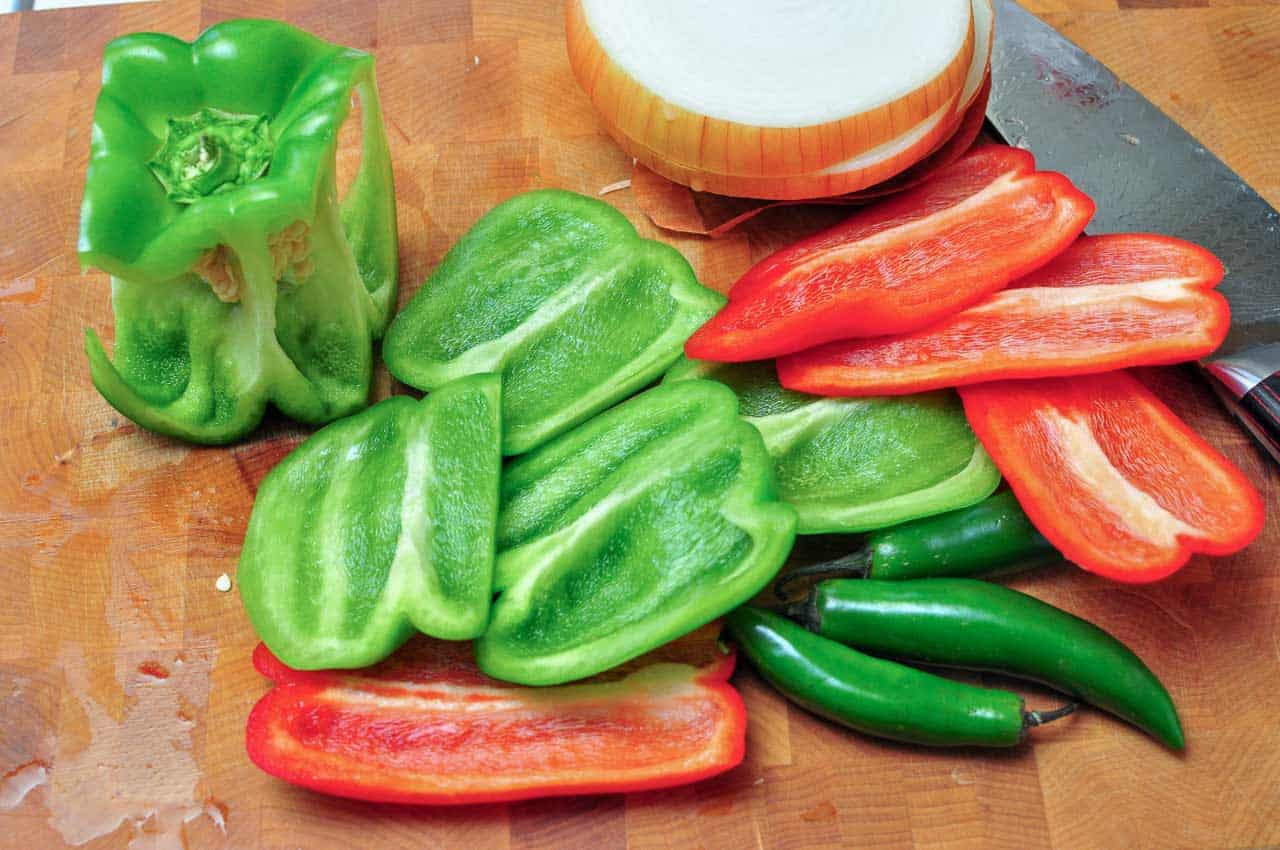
(1107, 302)
(904, 263)
(1111, 476)
(427, 727)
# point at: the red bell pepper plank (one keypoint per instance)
(902, 264)
(1108, 302)
(427, 727)
(1115, 481)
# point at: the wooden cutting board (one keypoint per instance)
(124, 673)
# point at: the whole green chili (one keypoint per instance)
(990, 538)
(983, 626)
(879, 697)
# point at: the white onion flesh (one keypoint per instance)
(780, 63)
(707, 92)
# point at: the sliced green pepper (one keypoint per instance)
(378, 524)
(556, 292)
(629, 531)
(238, 278)
(856, 464)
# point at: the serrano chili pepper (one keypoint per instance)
(982, 626)
(879, 697)
(989, 538)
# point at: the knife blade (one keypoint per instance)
(1148, 174)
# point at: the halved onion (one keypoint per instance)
(775, 89)
(673, 206)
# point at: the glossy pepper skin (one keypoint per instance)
(629, 531)
(904, 263)
(556, 292)
(378, 525)
(990, 538)
(1111, 476)
(854, 465)
(426, 727)
(982, 626)
(871, 695)
(238, 278)
(1107, 302)
(993, 537)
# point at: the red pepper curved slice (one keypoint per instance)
(427, 727)
(1111, 476)
(904, 263)
(1108, 302)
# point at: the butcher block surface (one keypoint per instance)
(125, 677)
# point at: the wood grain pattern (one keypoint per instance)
(125, 676)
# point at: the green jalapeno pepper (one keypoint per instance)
(993, 537)
(982, 626)
(238, 277)
(875, 696)
(854, 464)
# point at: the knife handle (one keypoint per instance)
(1261, 408)
(1252, 394)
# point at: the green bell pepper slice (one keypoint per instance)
(379, 524)
(629, 531)
(557, 293)
(238, 277)
(856, 464)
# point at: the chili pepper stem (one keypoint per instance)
(856, 564)
(1032, 719)
(801, 611)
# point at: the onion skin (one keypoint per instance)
(799, 187)
(701, 144)
(672, 206)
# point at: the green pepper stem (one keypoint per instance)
(854, 565)
(1031, 719)
(210, 152)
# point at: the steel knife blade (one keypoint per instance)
(1148, 174)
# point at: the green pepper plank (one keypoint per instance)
(878, 697)
(993, 537)
(557, 293)
(982, 626)
(629, 531)
(376, 525)
(851, 465)
(238, 279)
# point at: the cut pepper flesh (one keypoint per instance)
(426, 726)
(904, 263)
(652, 519)
(1111, 476)
(851, 465)
(238, 278)
(1108, 302)
(377, 525)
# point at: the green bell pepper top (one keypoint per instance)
(557, 293)
(629, 531)
(238, 278)
(856, 464)
(378, 524)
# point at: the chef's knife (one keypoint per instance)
(1148, 174)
